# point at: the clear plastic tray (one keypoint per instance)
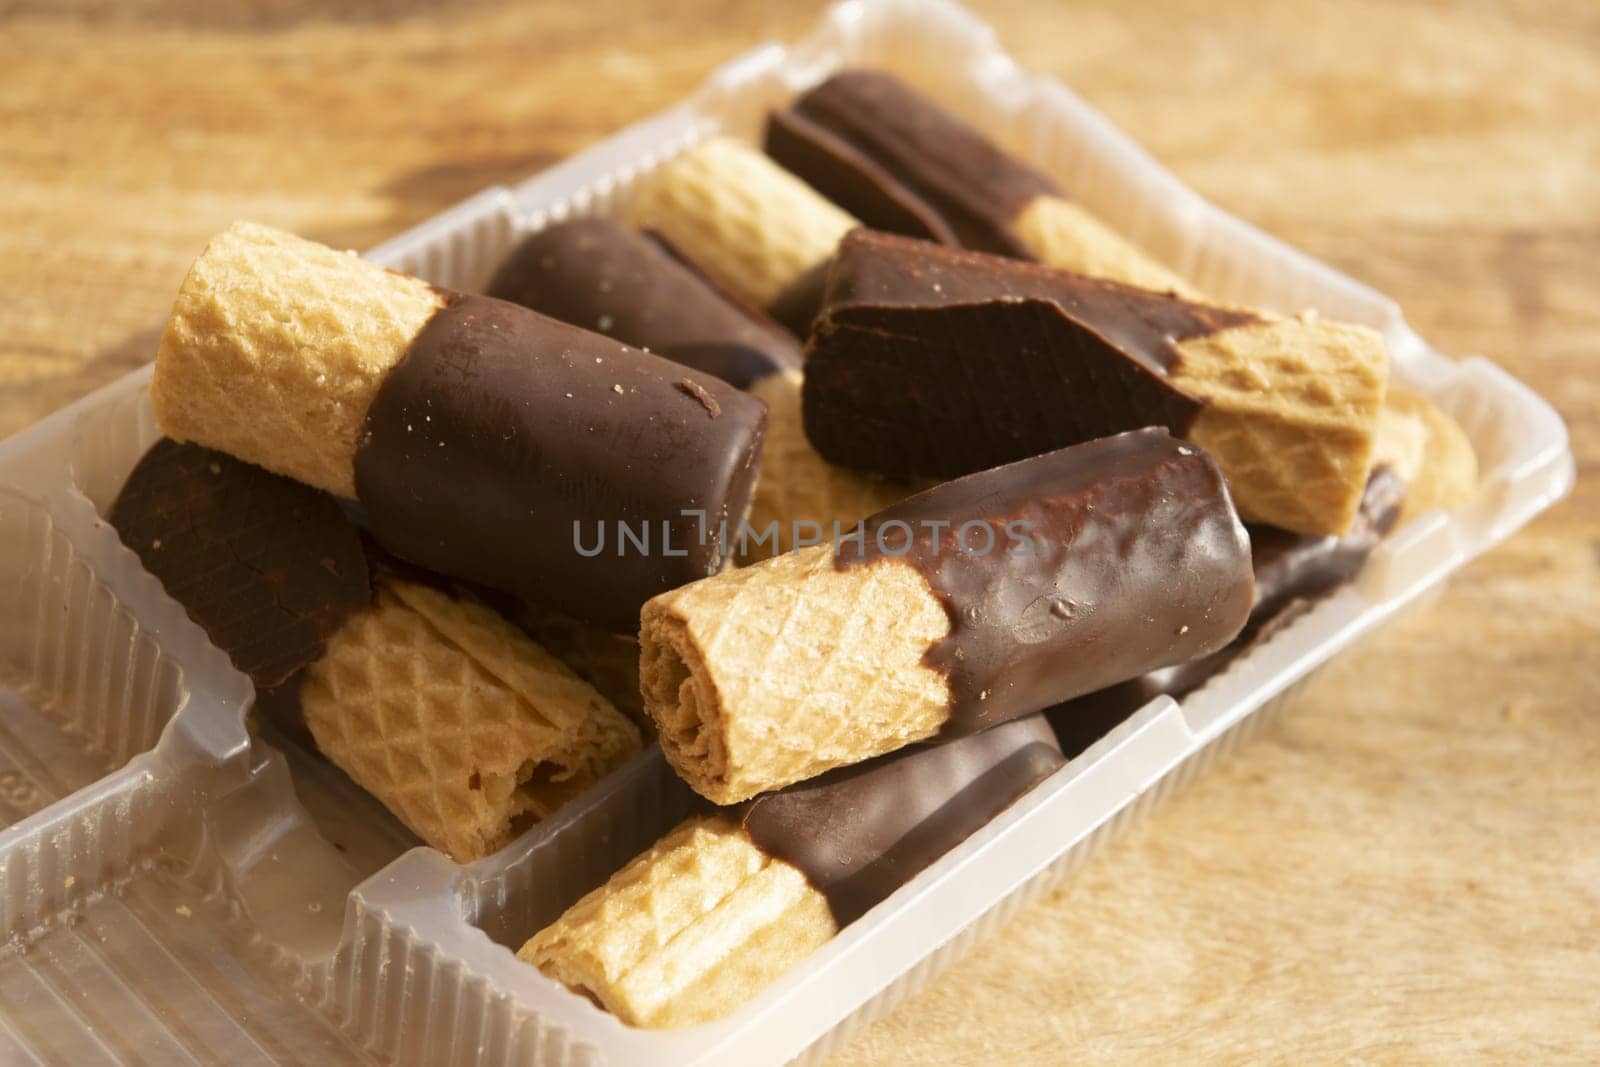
(174, 890)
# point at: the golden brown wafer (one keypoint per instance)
(770, 674)
(749, 224)
(463, 727)
(688, 931)
(276, 348)
(1290, 410)
(701, 922)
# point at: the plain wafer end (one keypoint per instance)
(277, 346)
(688, 932)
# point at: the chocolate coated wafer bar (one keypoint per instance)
(722, 906)
(435, 705)
(935, 361)
(481, 438)
(972, 603)
(899, 162)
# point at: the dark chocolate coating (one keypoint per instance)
(929, 361)
(1071, 571)
(976, 189)
(267, 567)
(861, 832)
(503, 440)
(845, 175)
(604, 277)
(1081, 722)
(1292, 571)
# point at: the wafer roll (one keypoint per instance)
(753, 227)
(276, 350)
(973, 603)
(934, 361)
(604, 277)
(900, 163)
(722, 906)
(479, 436)
(463, 727)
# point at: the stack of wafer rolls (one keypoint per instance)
(483, 440)
(970, 604)
(636, 288)
(456, 721)
(936, 361)
(719, 908)
(900, 163)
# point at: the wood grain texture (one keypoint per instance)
(1406, 870)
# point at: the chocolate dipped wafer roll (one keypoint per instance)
(936, 361)
(460, 725)
(484, 441)
(607, 278)
(970, 604)
(722, 906)
(899, 162)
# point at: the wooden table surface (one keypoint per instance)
(1408, 867)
